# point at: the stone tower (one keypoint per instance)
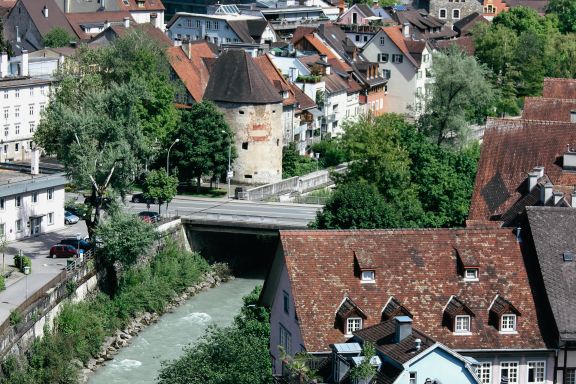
(252, 108)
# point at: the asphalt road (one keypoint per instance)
(235, 210)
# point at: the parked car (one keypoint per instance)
(70, 218)
(73, 242)
(139, 198)
(62, 250)
(149, 217)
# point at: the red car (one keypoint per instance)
(62, 250)
(149, 217)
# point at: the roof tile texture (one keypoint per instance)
(552, 109)
(559, 88)
(418, 268)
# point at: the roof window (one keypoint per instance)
(568, 256)
(394, 308)
(349, 317)
(458, 316)
(503, 315)
(368, 276)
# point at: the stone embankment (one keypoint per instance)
(123, 337)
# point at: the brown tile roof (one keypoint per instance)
(418, 268)
(146, 28)
(303, 100)
(76, 20)
(192, 71)
(56, 18)
(149, 5)
(275, 76)
(300, 32)
(541, 108)
(464, 26)
(511, 149)
(236, 78)
(559, 88)
(538, 5)
(465, 43)
(395, 34)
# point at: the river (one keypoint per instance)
(140, 361)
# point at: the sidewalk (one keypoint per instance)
(44, 269)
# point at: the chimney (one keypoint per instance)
(4, 65)
(406, 30)
(17, 34)
(403, 328)
(532, 180)
(126, 22)
(154, 19)
(573, 203)
(324, 58)
(546, 193)
(35, 162)
(189, 50)
(557, 197)
(573, 116)
(328, 69)
(177, 43)
(45, 11)
(106, 24)
(540, 170)
(66, 6)
(569, 163)
(417, 344)
(24, 63)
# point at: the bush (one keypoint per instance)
(22, 261)
(15, 317)
(2, 283)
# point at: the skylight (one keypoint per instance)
(568, 256)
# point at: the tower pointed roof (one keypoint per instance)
(236, 78)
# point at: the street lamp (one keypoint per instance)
(168, 157)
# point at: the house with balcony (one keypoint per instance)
(405, 63)
(31, 200)
(468, 289)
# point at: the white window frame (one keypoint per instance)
(458, 327)
(459, 14)
(382, 40)
(570, 376)
(368, 276)
(484, 372)
(412, 378)
(50, 218)
(473, 276)
(353, 324)
(397, 58)
(440, 13)
(504, 325)
(537, 366)
(510, 366)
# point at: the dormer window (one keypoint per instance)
(462, 324)
(471, 274)
(353, 324)
(508, 323)
(503, 315)
(368, 276)
(394, 308)
(285, 95)
(457, 316)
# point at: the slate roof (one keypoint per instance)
(552, 231)
(248, 30)
(511, 149)
(236, 78)
(276, 78)
(418, 268)
(464, 26)
(421, 23)
(383, 337)
(559, 88)
(541, 108)
(192, 71)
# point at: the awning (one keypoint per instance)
(39, 216)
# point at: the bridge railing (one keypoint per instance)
(300, 184)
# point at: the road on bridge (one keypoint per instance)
(291, 215)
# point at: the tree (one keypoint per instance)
(103, 119)
(365, 370)
(160, 186)
(565, 10)
(460, 95)
(523, 19)
(205, 140)
(293, 164)
(57, 37)
(331, 152)
(235, 354)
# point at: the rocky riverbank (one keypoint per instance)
(123, 337)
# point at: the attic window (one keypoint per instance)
(457, 316)
(568, 256)
(394, 308)
(368, 276)
(471, 274)
(353, 324)
(349, 317)
(462, 324)
(508, 323)
(285, 95)
(503, 315)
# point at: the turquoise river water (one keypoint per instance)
(140, 361)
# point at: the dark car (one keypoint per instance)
(73, 242)
(140, 198)
(149, 217)
(62, 250)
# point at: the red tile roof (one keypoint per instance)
(511, 149)
(559, 88)
(76, 20)
(192, 71)
(303, 100)
(148, 5)
(395, 34)
(275, 76)
(541, 108)
(416, 267)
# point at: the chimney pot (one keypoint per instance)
(126, 22)
(557, 197)
(532, 180)
(45, 11)
(546, 193)
(417, 344)
(4, 65)
(573, 202)
(540, 170)
(35, 162)
(24, 63)
(406, 30)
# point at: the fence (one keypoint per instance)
(299, 184)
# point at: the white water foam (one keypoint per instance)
(127, 364)
(198, 317)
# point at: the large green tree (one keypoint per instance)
(106, 114)
(160, 186)
(460, 95)
(235, 354)
(205, 143)
(57, 37)
(565, 10)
